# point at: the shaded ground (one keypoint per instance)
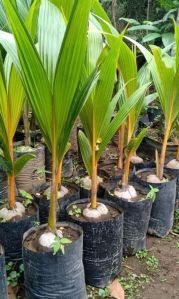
(151, 274)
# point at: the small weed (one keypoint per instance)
(165, 180)
(36, 224)
(142, 254)
(177, 245)
(150, 260)
(176, 222)
(59, 244)
(40, 171)
(27, 198)
(3, 220)
(132, 283)
(75, 211)
(152, 263)
(152, 193)
(104, 293)
(177, 215)
(14, 274)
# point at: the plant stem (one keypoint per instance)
(59, 175)
(121, 134)
(157, 162)
(94, 170)
(114, 6)
(53, 199)
(177, 157)
(125, 178)
(54, 185)
(11, 179)
(164, 148)
(130, 132)
(26, 124)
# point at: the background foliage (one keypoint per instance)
(155, 9)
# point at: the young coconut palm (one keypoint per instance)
(97, 114)
(165, 74)
(174, 164)
(131, 79)
(52, 77)
(11, 102)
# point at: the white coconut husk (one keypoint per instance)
(100, 211)
(8, 214)
(173, 164)
(153, 178)
(129, 193)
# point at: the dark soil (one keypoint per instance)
(32, 240)
(144, 174)
(111, 169)
(113, 213)
(155, 134)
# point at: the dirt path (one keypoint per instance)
(151, 274)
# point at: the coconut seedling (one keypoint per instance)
(11, 102)
(51, 79)
(174, 163)
(165, 74)
(132, 79)
(97, 116)
(164, 70)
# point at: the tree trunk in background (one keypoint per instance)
(114, 7)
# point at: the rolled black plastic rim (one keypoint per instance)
(11, 235)
(102, 247)
(57, 276)
(162, 213)
(3, 285)
(136, 220)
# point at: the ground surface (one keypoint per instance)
(151, 274)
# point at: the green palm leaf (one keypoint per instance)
(52, 81)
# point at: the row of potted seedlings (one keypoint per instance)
(73, 75)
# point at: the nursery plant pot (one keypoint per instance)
(3, 285)
(102, 246)
(3, 185)
(19, 137)
(59, 276)
(67, 200)
(149, 146)
(145, 164)
(110, 169)
(44, 203)
(153, 113)
(44, 206)
(32, 175)
(136, 220)
(175, 172)
(86, 193)
(67, 168)
(162, 213)
(11, 233)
